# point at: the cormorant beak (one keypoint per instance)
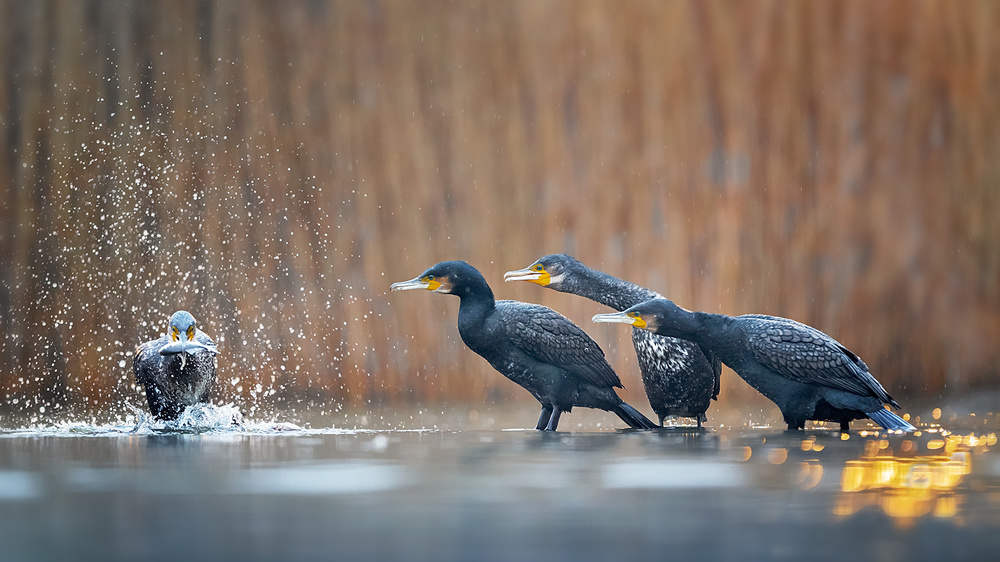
(413, 284)
(535, 274)
(621, 318)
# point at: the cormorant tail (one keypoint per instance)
(633, 417)
(889, 420)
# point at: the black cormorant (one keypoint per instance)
(808, 374)
(680, 378)
(532, 345)
(178, 369)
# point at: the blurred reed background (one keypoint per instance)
(273, 167)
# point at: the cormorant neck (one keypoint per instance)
(704, 326)
(476, 307)
(475, 293)
(698, 327)
(607, 289)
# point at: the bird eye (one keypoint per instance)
(429, 278)
(538, 267)
(635, 315)
(175, 334)
(190, 332)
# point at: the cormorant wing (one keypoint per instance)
(552, 338)
(805, 354)
(716, 363)
(146, 361)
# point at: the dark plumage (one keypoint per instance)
(808, 374)
(532, 345)
(178, 369)
(680, 379)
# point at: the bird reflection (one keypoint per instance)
(917, 477)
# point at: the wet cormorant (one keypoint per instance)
(808, 374)
(679, 377)
(178, 369)
(532, 345)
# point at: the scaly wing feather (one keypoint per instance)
(552, 338)
(804, 354)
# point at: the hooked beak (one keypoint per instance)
(438, 284)
(411, 285)
(620, 318)
(528, 274)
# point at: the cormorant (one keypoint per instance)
(680, 378)
(532, 345)
(178, 369)
(808, 374)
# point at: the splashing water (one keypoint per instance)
(197, 419)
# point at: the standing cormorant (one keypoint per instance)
(679, 377)
(808, 374)
(178, 369)
(532, 345)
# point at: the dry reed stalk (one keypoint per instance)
(275, 169)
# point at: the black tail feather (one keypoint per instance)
(889, 420)
(633, 417)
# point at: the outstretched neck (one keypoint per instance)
(703, 328)
(608, 290)
(710, 328)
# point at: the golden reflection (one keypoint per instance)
(920, 480)
(810, 474)
(946, 506)
(777, 455)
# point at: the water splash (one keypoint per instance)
(198, 419)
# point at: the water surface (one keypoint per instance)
(279, 491)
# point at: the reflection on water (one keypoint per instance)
(265, 491)
(19, 485)
(912, 477)
(677, 474)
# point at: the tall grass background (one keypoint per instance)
(273, 167)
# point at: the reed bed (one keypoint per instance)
(274, 167)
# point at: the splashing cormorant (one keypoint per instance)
(177, 370)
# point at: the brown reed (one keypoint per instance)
(273, 168)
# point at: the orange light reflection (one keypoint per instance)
(909, 486)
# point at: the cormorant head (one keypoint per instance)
(181, 332)
(553, 271)
(182, 326)
(659, 316)
(449, 277)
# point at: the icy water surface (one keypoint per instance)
(219, 488)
